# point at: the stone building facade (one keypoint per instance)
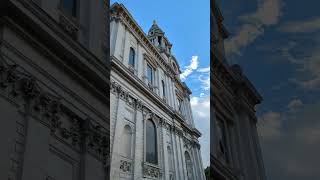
(235, 150)
(151, 127)
(54, 109)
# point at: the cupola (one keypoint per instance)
(158, 39)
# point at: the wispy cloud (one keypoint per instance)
(204, 70)
(205, 82)
(268, 13)
(295, 105)
(304, 26)
(308, 64)
(189, 69)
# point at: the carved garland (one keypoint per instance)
(23, 89)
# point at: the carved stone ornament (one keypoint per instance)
(125, 166)
(98, 141)
(151, 171)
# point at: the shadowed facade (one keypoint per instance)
(54, 76)
(235, 151)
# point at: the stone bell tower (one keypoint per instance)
(157, 37)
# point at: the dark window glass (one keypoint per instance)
(151, 143)
(159, 40)
(149, 73)
(131, 57)
(70, 6)
(163, 89)
(179, 105)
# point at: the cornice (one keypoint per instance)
(30, 19)
(119, 12)
(52, 79)
(222, 170)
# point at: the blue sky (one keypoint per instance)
(277, 42)
(186, 25)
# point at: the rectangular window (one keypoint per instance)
(150, 74)
(70, 6)
(132, 55)
(163, 89)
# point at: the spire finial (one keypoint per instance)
(154, 22)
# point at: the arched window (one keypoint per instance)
(126, 141)
(132, 54)
(151, 143)
(188, 166)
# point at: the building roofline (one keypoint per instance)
(122, 8)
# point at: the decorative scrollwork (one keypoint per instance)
(125, 166)
(98, 141)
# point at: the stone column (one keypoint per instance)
(36, 150)
(174, 96)
(201, 165)
(115, 163)
(181, 158)
(139, 146)
(124, 46)
(165, 152)
(175, 154)
(113, 35)
(169, 99)
(195, 164)
(136, 66)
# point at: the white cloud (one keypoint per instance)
(268, 13)
(201, 115)
(189, 69)
(270, 124)
(306, 26)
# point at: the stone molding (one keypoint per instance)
(81, 134)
